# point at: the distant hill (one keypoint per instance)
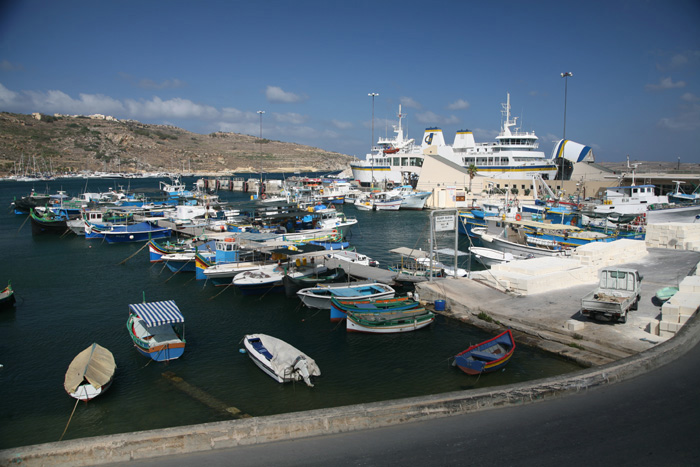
(71, 144)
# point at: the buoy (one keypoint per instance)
(242, 350)
(518, 217)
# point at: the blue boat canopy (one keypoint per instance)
(156, 313)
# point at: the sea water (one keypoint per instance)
(72, 292)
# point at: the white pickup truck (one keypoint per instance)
(618, 292)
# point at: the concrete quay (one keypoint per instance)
(550, 319)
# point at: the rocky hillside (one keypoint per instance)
(71, 144)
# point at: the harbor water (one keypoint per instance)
(72, 292)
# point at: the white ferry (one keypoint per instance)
(515, 153)
(394, 161)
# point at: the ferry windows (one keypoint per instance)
(397, 161)
(404, 161)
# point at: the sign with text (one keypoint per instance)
(444, 223)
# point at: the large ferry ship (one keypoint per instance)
(394, 161)
(515, 153)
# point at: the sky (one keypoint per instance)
(210, 66)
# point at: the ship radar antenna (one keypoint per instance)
(632, 166)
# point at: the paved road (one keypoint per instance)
(651, 420)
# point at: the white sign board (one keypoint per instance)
(444, 223)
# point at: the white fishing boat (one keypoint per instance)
(392, 161)
(410, 198)
(386, 201)
(352, 256)
(90, 373)
(320, 297)
(280, 360)
(516, 244)
(488, 257)
(643, 200)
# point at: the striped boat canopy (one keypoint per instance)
(156, 313)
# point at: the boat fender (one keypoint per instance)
(242, 351)
(518, 217)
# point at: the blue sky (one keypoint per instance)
(211, 65)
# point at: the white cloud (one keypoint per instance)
(6, 65)
(171, 108)
(409, 102)
(431, 118)
(277, 95)
(290, 117)
(459, 104)
(341, 125)
(167, 84)
(665, 83)
(690, 97)
(7, 97)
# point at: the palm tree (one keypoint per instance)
(471, 170)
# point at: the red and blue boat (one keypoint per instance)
(157, 330)
(488, 356)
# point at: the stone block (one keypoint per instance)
(653, 327)
(670, 313)
(574, 325)
(690, 284)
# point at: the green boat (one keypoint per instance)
(666, 293)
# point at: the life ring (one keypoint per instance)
(263, 196)
(518, 217)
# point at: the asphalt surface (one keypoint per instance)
(649, 420)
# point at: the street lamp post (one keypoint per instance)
(372, 95)
(566, 76)
(261, 112)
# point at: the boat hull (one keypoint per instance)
(339, 308)
(148, 346)
(320, 297)
(389, 325)
(488, 356)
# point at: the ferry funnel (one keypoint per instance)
(572, 151)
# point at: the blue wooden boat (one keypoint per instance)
(320, 297)
(141, 232)
(157, 329)
(488, 356)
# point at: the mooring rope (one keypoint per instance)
(69, 419)
(139, 251)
